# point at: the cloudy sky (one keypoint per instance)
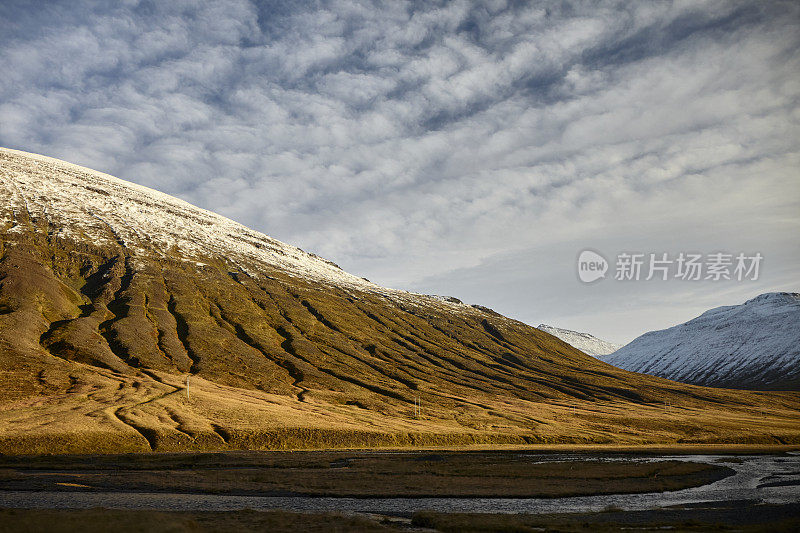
(461, 148)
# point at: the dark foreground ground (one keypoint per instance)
(728, 516)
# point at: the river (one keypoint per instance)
(762, 478)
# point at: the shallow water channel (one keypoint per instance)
(763, 478)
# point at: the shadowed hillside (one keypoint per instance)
(114, 297)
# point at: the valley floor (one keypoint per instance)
(101, 411)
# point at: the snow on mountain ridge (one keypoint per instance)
(82, 203)
(144, 219)
(588, 344)
(752, 345)
(775, 296)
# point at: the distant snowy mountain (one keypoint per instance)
(755, 345)
(588, 344)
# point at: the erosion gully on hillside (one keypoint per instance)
(111, 340)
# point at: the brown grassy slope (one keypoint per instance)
(96, 344)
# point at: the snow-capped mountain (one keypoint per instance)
(80, 204)
(755, 345)
(86, 204)
(588, 344)
(115, 297)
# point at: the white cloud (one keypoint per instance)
(412, 143)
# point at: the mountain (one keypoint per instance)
(755, 345)
(133, 321)
(588, 344)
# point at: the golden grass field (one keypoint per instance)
(107, 412)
